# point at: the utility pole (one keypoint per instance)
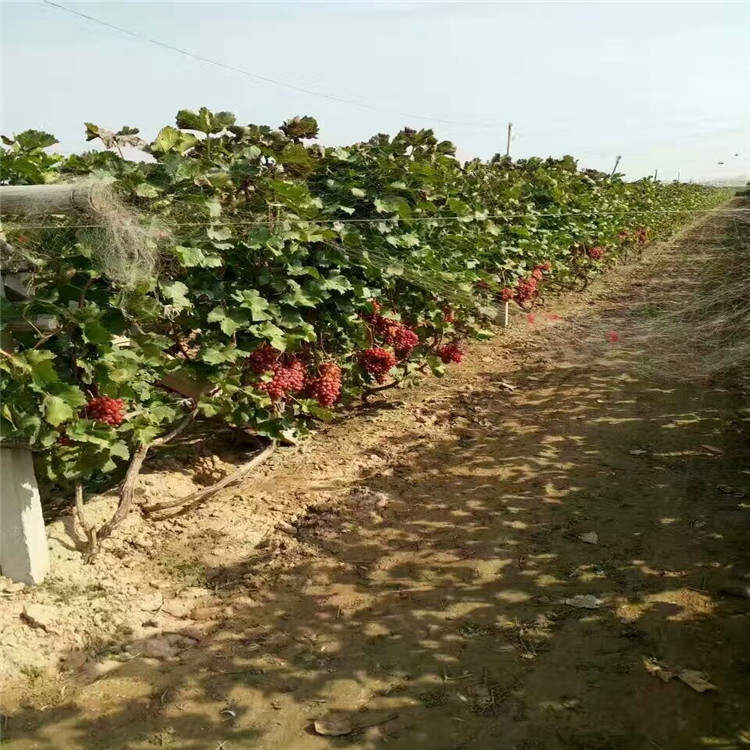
(510, 131)
(656, 173)
(617, 164)
(678, 176)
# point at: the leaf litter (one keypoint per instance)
(694, 679)
(590, 537)
(584, 601)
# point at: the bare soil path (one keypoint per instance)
(418, 590)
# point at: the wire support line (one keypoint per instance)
(267, 79)
(396, 219)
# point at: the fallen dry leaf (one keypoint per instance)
(656, 669)
(337, 725)
(584, 601)
(590, 537)
(698, 681)
(728, 490)
(333, 726)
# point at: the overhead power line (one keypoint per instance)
(262, 78)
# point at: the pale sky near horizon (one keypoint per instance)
(665, 84)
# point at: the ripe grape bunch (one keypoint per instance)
(263, 359)
(526, 289)
(287, 379)
(325, 388)
(401, 338)
(393, 332)
(106, 409)
(378, 362)
(451, 353)
(596, 253)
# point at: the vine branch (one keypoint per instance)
(94, 536)
(188, 503)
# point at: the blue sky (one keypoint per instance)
(667, 85)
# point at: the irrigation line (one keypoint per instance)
(397, 219)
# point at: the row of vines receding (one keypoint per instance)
(283, 277)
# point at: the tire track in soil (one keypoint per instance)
(426, 552)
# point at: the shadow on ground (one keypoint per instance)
(429, 604)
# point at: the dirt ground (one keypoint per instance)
(409, 576)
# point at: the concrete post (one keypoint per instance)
(24, 555)
(43, 200)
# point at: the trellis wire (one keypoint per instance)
(397, 219)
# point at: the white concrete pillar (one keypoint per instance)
(24, 556)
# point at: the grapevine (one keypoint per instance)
(288, 271)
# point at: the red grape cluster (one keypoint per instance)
(63, 439)
(325, 388)
(378, 362)
(374, 317)
(263, 359)
(451, 353)
(106, 409)
(400, 337)
(642, 235)
(526, 289)
(596, 253)
(393, 332)
(448, 315)
(286, 379)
